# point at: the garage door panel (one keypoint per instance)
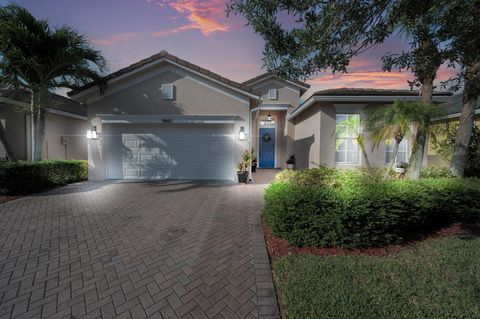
(170, 151)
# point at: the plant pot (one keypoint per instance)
(242, 177)
(290, 166)
(254, 167)
(399, 170)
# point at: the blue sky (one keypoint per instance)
(198, 31)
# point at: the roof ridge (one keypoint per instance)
(168, 56)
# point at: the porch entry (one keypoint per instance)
(266, 151)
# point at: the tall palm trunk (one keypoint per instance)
(361, 143)
(39, 123)
(392, 159)
(429, 51)
(420, 140)
(465, 127)
(6, 145)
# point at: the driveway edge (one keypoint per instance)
(266, 297)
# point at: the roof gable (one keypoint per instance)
(169, 58)
(271, 75)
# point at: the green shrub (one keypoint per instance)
(368, 214)
(437, 172)
(24, 177)
(329, 176)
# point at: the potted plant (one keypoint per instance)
(291, 161)
(401, 168)
(254, 161)
(243, 166)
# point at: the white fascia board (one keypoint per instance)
(363, 98)
(167, 119)
(271, 107)
(455, 115)
(278, 79)
(67, 114)
(7, 100)
(149, 65)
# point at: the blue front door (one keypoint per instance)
(267, 148)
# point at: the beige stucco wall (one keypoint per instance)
(73, 129)
(141, 94)
(287, 94)
(315, 136)
(15, 131)
(307, 138)
(56, 126)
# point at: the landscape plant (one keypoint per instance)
(334, 208)
(37, 57)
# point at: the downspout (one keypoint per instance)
(257, 107)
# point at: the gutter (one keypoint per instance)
(356, 98)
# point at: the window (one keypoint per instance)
(272, 94)
(402, 155)
(167, 91)
(346, 131)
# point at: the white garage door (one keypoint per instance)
(170, 151)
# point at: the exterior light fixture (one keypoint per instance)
(92, 133)
(241, 134)
(267, 121)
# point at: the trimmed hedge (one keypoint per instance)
(365, 214)
(24, 177)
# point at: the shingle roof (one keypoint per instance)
(57, 102)
(167, 56)
(374, 92)
(269, 74)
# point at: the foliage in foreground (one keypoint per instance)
(445, 147)
(327, 207)
(436, 279)
(25, 177)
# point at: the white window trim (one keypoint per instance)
(395, 160)
(275, 94)
(171, 93)
(358, 161)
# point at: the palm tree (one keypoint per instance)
(395, 122)
(346, 127)
(387, 124)
(41, 59)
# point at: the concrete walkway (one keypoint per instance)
(136, 250)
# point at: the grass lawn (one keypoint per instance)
(434, 279)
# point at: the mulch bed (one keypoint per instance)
(278, 247)
(6, 198)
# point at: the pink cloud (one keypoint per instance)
(114, 39)
(365, 79)
(206, 16)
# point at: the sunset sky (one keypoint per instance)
(198, 31)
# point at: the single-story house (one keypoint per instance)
(66, 124)
(166, 118)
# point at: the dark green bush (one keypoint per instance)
(24, 177)
(368, 214)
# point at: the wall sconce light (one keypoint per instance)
(241, 134)
(92, 133)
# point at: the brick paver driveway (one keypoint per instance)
(136, 250)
